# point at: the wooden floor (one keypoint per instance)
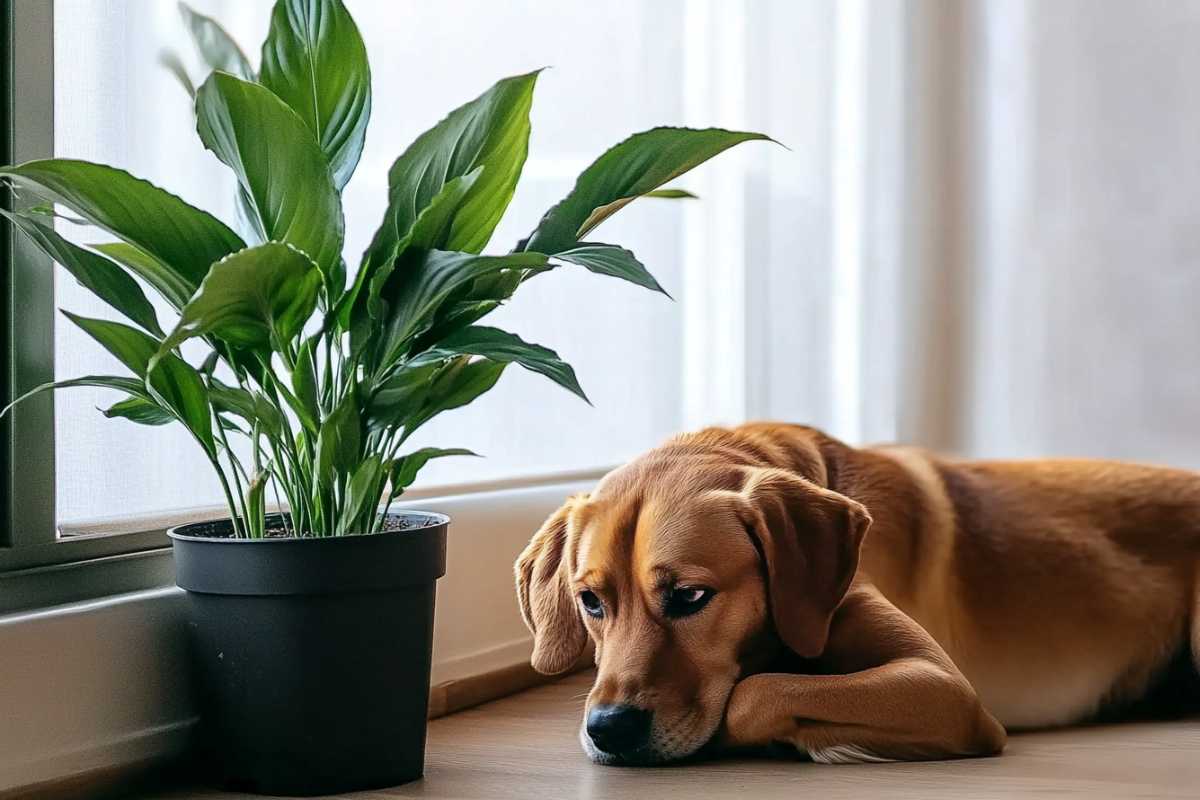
(525, 746)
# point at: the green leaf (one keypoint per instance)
(252, 407)
(175, 289)
(609, 259)
(216, 47)
(304, 377)
(256, 504)
(401, 394)
(429, 229)
(139, 410)
(170, 60)
(280, 168)
(631, 169)
(258, 297)
(184, 239)
(314, 59)
(471, 303)
(170, 380)
(425, 282)
(671, 194)
(339, 442)
(127, 385)
(307, 419)
(178, 386)
(498, 345)
(455, 385)
(130, 346)
(454, 316)
(403, 470)
(491, 131)
(363, 494)
(100, 276)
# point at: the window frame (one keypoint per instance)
(31, 549)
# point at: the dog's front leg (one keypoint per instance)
(897, 696)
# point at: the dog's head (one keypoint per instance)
(688, 571)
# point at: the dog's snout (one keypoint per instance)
(617, 729)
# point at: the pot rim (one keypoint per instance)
(177, 533)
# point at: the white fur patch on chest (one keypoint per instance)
(844, 754)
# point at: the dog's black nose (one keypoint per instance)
(618, 728)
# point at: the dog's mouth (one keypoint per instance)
(664, 749)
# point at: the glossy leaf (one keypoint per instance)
(403, 470)
(427, 232)
(491, 131)
(255, 298)
(426, 282)
(182, 238)
(169, 380)
(472, 302)
(609, 259)
(363, 494)
(402, 392)
(252, 407)
(314, 59)
(127, 385)
(339, 443)
(310, 421)
(304, 377)
(215, 45)
(139, 410)
(96, 273)
(455, 385)
(256, 504)
(671, 194)
(279, 166)
(498, 345)
(631, 169)
(166, 281)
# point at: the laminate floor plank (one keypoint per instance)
(525, 746)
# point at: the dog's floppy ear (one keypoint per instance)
(543, 590)
(809, 538)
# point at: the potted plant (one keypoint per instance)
(313, 624)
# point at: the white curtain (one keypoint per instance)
(1057, 186)
(980, 237)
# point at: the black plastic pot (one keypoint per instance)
(312, 655)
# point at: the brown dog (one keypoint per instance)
(771, 584)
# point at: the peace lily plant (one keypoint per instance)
(326, 372)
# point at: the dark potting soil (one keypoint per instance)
(221, 529)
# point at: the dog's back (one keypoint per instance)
(1061, 588)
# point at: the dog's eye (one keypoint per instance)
(686, 600)
(591, 603)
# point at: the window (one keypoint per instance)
(955, 249)
(651, 366)
(114, 103)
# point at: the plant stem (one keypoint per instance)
(238, 529)
(237, 466)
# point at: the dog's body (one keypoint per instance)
(1027, 594)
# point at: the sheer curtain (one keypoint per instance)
(979, 234)
(1053, 196)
